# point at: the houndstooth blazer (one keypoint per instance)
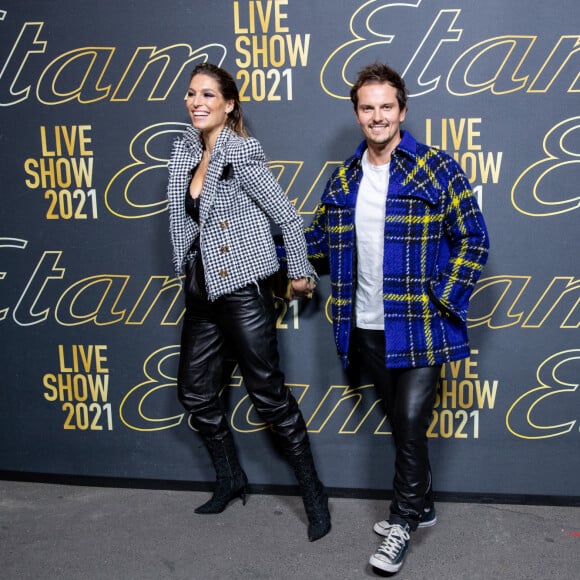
(240, 197)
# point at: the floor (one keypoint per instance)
(68, 532)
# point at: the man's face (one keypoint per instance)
(379, 115)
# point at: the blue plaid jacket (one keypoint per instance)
(239, 200)
(435, 247)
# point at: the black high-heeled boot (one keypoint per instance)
(314, 495)
(231, 481)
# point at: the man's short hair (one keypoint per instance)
(380, 73)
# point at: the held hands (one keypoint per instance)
(302, 287)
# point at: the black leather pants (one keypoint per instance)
(408, 395)
(246, 319)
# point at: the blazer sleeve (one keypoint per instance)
(262, 187)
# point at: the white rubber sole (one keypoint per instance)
(382, 565)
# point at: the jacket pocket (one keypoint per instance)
(442, 310)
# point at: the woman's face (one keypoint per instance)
(206, 105)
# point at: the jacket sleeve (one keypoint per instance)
(261, 186)
(467, 247)
(316, 235)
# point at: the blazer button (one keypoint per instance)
(223, 273)
(224, 224)
(224, 249)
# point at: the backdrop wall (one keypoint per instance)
(91, 97)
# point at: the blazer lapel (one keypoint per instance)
(213, 175)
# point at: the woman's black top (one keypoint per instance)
(192, 207)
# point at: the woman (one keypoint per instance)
(222, 197)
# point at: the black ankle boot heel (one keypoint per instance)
(231, 481)
(225, 491)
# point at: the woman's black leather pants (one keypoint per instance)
(246, 321)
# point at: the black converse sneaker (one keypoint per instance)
(391, 553)
(427, 519)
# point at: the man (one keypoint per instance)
(406, 243)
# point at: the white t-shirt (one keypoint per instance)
(370, 232)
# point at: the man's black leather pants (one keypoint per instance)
(408, 395)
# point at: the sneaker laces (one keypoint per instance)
(394, 542)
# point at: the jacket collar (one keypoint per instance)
(410, 170)
(345, 186)
(407, 148)
(407, 170)
(192, 141)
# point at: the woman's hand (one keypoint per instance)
(302, 287)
